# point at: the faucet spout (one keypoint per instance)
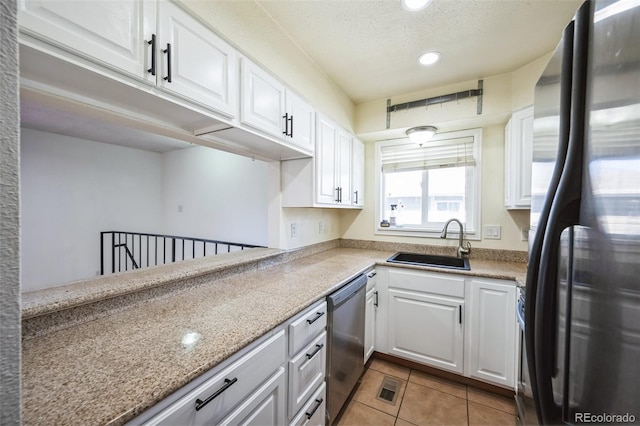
(462, 251)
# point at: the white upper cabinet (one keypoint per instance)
(262, 99)
(334, 163)
(357, 180)
(115, 34)
(344, 164)
(326, 154)
(179, 55)
(194, 62)
(332, 178)
(300, 123)
(268, 106)
(518, 157)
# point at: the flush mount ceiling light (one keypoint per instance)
(415, 5)
(429, 58)
(421, 134)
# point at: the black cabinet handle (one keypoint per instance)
(227, 384)
(291, 126)
(314, 319)
(285, 117)
(337, 194)
(152, 42)
(372, 274)
(460, 314)
(318, 404)
(312, 354)
(168, 52)
(356, 194)
(376, 301)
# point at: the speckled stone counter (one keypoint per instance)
(112, 368)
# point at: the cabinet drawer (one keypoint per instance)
(313, 412)
(264, 407)
(444, 284)
(228, 388)
(306, 371)
(306, 327)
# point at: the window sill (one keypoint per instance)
(398, 231)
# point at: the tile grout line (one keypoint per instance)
(402, 397)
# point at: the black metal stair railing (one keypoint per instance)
(135, 250)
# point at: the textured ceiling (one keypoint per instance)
(370, 48)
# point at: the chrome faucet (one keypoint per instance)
(462, 251)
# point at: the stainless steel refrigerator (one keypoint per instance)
(582, 298)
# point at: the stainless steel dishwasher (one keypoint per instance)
(345, 343)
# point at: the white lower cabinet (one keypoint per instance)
(313, 413)
(425, 320)
(462, 324)
(371, 304)
(228, 392)
(264, 407)
(307, 365)
(492, 331)
(306, 372)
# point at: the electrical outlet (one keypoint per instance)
(492, 232)
(294, 230)
(320, 227)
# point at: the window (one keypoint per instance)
(420, 188)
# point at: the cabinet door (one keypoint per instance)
(492, 332)
(306, 371)
(266, 406)
(112, 33)
(426, 328)
(262, 100)
(358, 173)
(301, 125)
(313, 413)
(344, 167)
(370, 323)
(518, 158)
(202, 66)
(326, 151)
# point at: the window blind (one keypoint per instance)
(456, 152)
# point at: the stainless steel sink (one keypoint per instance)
(447, 262)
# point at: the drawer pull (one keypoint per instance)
(227, 384)
(318, 404)
(312, 354)
(314, 319)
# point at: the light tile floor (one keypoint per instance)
(424, 400)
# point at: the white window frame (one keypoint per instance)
(471, 230)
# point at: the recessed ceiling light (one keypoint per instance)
(429, 58)
(414, 5)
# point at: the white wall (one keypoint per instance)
(223, 196)
(503, 94)
(72, 189)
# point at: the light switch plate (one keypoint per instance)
(294, 230)
(492, 232)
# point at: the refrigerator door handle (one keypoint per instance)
(535, 252)
(565, 212)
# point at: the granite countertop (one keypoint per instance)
(111, 369)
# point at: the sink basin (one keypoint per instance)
(448, 262)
